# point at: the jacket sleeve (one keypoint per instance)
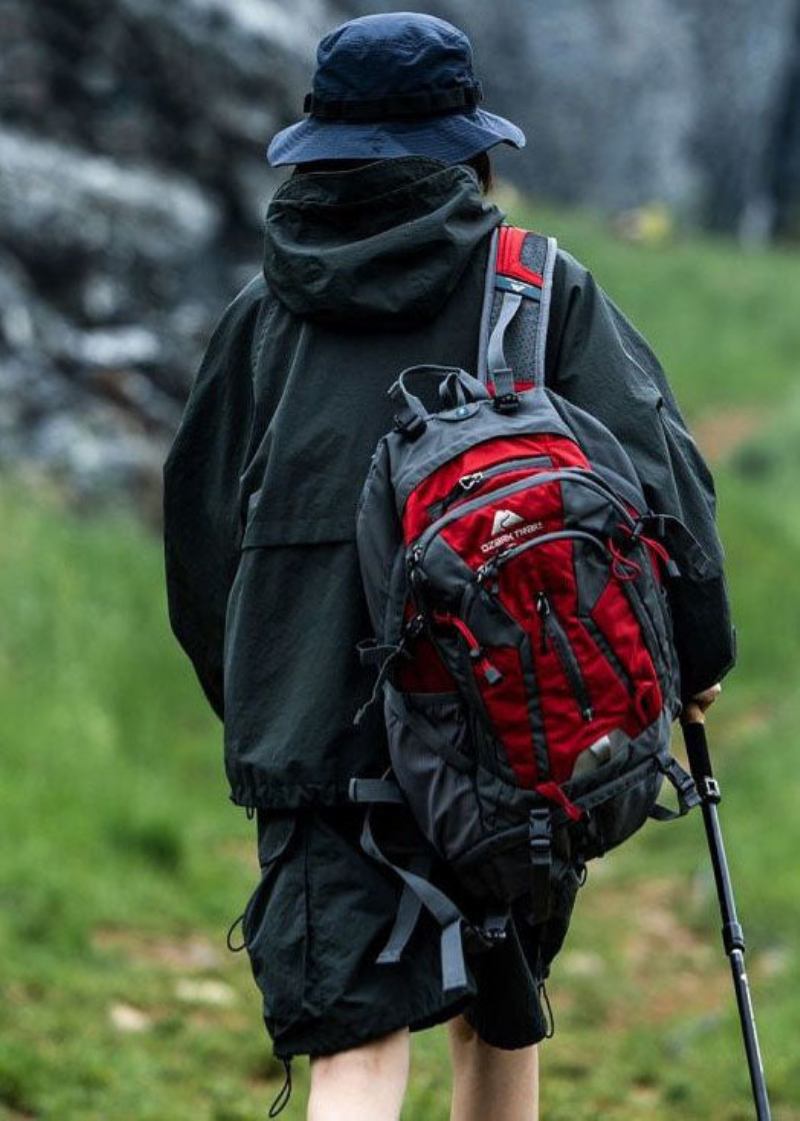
(202, 502)
(600, 362)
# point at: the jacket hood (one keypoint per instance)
(377, 246)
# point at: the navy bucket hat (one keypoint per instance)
(396, 84)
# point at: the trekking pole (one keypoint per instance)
(694, 734)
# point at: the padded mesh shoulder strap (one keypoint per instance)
(516, 310)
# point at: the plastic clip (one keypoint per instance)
(411, 426)
(506, 403)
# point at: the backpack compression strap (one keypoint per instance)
(516, 310)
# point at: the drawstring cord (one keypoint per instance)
(411, 629)
(551, 1023)
(229, 937)
(383, 673)
(623, 567)
(622, 562)
(285, 1092)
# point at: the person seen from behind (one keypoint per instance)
(375, 256)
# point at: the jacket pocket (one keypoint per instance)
(267, 525)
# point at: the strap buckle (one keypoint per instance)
(540, 836)
(685, 786)
(506, 403)
(411, 426)
(493, 931)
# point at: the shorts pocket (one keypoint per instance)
(275, 921)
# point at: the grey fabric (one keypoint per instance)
(498, 369)
(539, 364)
(443, 799)
(444, 439)
(534, 252)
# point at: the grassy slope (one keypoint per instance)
(121, 861)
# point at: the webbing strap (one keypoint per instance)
(498, 369)
(688, 796)
(440, 906)
(530, 315)
(454, 973)
(408, 912)
(540, 846)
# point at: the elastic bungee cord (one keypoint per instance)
(285, 1092)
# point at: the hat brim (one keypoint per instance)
(451, 138)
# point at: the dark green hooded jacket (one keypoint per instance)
(367, 272)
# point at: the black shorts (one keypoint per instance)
(320, 916)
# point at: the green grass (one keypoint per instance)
(122, 861)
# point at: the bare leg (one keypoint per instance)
(489, 1082)
(365, 1084)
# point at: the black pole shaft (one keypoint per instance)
(732, 934)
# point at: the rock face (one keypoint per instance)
(132, 190)
(133, 181)
(630, 101)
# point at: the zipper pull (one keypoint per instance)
(543, 611)
(490, 672)
(475, 650)
(469, 482)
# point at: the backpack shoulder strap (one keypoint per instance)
(516, 310)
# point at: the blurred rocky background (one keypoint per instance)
(133, 180)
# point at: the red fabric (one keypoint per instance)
(423, 671)
(561, 451)
(509, 251)
(506, 704)
(553, 792)
(476, 537)
(566, 732)
(614, 616)
(545, 568)
(461, 627)
(519, 386)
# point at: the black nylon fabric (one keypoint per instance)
(358, 249)
(322, 912)
(370, 271)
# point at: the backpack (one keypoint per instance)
(516, 580)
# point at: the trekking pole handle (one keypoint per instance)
(692, 714)
(694, 735)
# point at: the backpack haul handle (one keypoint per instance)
(694, 734)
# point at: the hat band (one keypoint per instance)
(425, 103)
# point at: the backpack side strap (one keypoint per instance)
(419, 892)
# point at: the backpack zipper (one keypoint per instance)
(505, 555)
(605, 648)
(552, 628)
(578, 475)
(468, 483)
